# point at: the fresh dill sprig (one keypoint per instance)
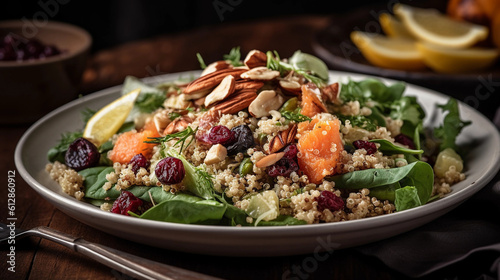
(274, 63)
(182, 137)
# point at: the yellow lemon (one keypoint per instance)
(108, 120)
(431, 26)
(393, 27)
(451, 60)
(393, 53)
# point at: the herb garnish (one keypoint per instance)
(234, 57)
(148, 102)
(294, 116)
(201, 61)
(182, 136)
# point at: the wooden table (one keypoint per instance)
(42, 259)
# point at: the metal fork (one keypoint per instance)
(128, 264)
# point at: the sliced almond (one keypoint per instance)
(255, 58)
(236, 102)
(266, 101)
(260, 74)
(282, 139)
(223, 90)
(177, 125)
(269, 160)
(290, 87)
(215, 66)
(216, 154)
(207, 83)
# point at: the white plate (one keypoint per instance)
(482, 163)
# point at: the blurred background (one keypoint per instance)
(115, 22)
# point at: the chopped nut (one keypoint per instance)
(215, 66)
(282, 139)
(223, 90)
(236, 101)
(216, 154)
(269, 160)
(290, 87)
(260, 74)
(331, 92)
(255, 58)
(177, 125)
(266, 101)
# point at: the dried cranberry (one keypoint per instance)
(370, 147)
(82, 154)
(170, 171)
(328, 200)
(243, 136)
(220, 134)
(139, 161)
(126, 202)
(291, 151)
(405, 140)
(284, 167)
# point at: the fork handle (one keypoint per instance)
(131, 265)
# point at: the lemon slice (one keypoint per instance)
(263, 206)
(108, 120)
(431, 26)
(393, 27)
(451, 60)
(382, 51)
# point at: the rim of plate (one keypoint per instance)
(443, 203)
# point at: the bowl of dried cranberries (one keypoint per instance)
(41, 66)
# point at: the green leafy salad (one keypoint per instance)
(260, 141)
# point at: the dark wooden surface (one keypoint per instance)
(42, 259)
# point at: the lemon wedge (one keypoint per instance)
(431, 26)
(451, 60)
(393, 27)
(108, 120)
(393, 53)
(263, 206)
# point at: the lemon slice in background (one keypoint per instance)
(451, 60)
(108, 120)
(382, 51)
(393, 27)
(263, 206)
(431, 26)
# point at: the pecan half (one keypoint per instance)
(206, 83)
(282, 139)
(236, 102)
(245, 84)
(331, 92)
(177, 125)
(255, 58)
(215, 66)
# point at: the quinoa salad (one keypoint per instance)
(259, 140)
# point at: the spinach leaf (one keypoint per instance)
(314, 65)
(58, 152)
(148, 102)
(371, 90)
(386, 192)
(196, 180)
(418, 174)
(282, 220)
(389, 148)
(452, 125)
(406, 198)
(409, 111)
(363, 122)
(300, 66)
(186, 211)
(236, 216)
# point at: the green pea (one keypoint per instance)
(246, 167)
(290, 105)
(262, 139)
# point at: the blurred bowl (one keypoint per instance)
(31, 88)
